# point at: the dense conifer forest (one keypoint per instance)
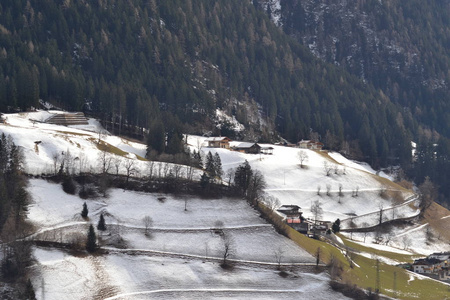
(167, 66)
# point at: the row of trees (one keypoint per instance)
(14, 200)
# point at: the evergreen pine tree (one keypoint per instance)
(85, 211)
(218, 166)
(242, 177)
(156, 139)
(210, 167)
(198, 162)
(336, 227)
(101, 223)
(205, 181)
(91, 244)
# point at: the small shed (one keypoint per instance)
(251, 148)
(218, 142)
(267, 150)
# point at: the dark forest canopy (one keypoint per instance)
(140, 61)
(170, 64)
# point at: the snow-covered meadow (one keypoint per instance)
(179, 258)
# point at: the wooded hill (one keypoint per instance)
(400, 47)
(142, 61)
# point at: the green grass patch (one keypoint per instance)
(72, 133)
(363, 272)
(103, 146)
(408, 258)
(407, 285)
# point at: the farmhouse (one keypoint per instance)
(310, 144)
(426, 266)
(294, 218)
(218, 142)
(251, 148)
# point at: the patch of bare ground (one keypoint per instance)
(104, 289)
(439, 219)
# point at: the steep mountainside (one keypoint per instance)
(174, 62)
(401, 47)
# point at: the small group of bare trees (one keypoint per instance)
(330, 168)
(65, 163)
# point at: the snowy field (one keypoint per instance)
(117, 276)
(294, 185)
(174, 230)
(179, 258)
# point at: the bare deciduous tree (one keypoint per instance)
(177, 171)
(316, 210)
(327, 168)
(340, 190)
(380, 206)
(83, 161)
(117, 162)
(278, 253)
(229, 175)
(104, 161)
(271, 202)
(328, 186)
(130, 167)
(150, 169)
(56, 161)
(406, 242)
(302, 157)
(148, 222)
(228, 248)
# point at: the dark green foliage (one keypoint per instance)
(156, 139)
(256, 187)
(197, 159)
(84, 211)
(205, 182)
(361, 38)
(242, 177)
(29, 291)
(69, 186)
(218, 166)
(431, 170)
(336, 227)
(210, 167)
(168, 66)
(101, 223)
(91, 243)
(14, 197)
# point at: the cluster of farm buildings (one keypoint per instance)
(435, 265)
(255, 148)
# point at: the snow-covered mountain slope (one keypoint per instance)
(44, 143)
(292, 184)
(285, 179)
